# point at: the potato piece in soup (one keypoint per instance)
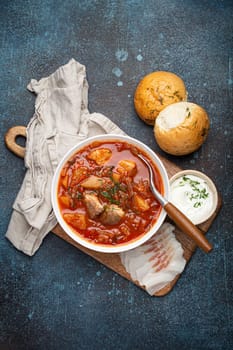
(129, 166)
(100, 156)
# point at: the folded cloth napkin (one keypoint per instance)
(60, 121)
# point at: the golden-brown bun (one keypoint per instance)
(156, 91)
(181, 128)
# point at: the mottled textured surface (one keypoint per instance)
(61, 298)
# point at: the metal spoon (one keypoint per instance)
(176, 215)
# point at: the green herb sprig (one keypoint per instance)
(199, 193)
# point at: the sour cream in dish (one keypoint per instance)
(194, 194)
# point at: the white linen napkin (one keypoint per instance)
(60, 121)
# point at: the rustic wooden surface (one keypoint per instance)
(113, 261)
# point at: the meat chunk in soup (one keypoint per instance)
(93, 205)
(100, 156)
(112, 215)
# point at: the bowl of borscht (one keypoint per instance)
(101, 194)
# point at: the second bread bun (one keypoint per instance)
(156, 91)
(181, 128)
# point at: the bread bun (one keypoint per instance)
(156, 91)
(181, 128)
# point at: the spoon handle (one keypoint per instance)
(188, 227)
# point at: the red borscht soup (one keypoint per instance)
(104, 193)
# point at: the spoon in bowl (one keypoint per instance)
(176, 215)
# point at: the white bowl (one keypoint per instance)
(204, 212)
(118, 247)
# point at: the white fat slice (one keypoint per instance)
(132, 262)
(162, 280)
(157, 262)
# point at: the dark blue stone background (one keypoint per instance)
(62, 298)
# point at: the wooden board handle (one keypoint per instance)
(10, 140)
(188, 227)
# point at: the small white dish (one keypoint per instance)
(195, 194)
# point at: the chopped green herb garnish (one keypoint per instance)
(198, 193)
(110, 194)
(197, 204)
(106, 194)
(79, 195)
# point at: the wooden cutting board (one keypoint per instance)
(113, 261)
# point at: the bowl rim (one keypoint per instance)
(95, 246)
(210, 184)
